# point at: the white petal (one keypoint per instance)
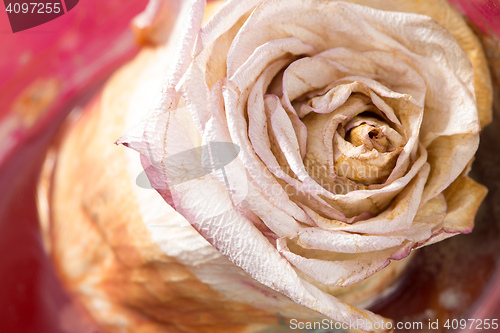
(343, 272)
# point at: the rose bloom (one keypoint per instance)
(298, 148)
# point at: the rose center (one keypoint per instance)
(366, 149)
(370, 136)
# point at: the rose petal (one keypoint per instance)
(448, 156)
(398, 216)
(238, 129)
(343, 272)
(464, 196)
(344, 242)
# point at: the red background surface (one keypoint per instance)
(79, 49)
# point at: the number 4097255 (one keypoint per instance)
(34, 8)
(478, 324)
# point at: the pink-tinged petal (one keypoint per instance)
(258, 115)
(305, 188)
(265, 182)
(336, 270)
(245, 76)
(345, 242)
(207, 68)
(191, 17)
(192, 14)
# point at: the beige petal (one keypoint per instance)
(447, 16)
(463, 196)
(444, 154)
(398, 216)
(238, 130)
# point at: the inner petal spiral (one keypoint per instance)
(367, 150)
(373, 134)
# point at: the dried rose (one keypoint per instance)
(312, 142)
(382, 103)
